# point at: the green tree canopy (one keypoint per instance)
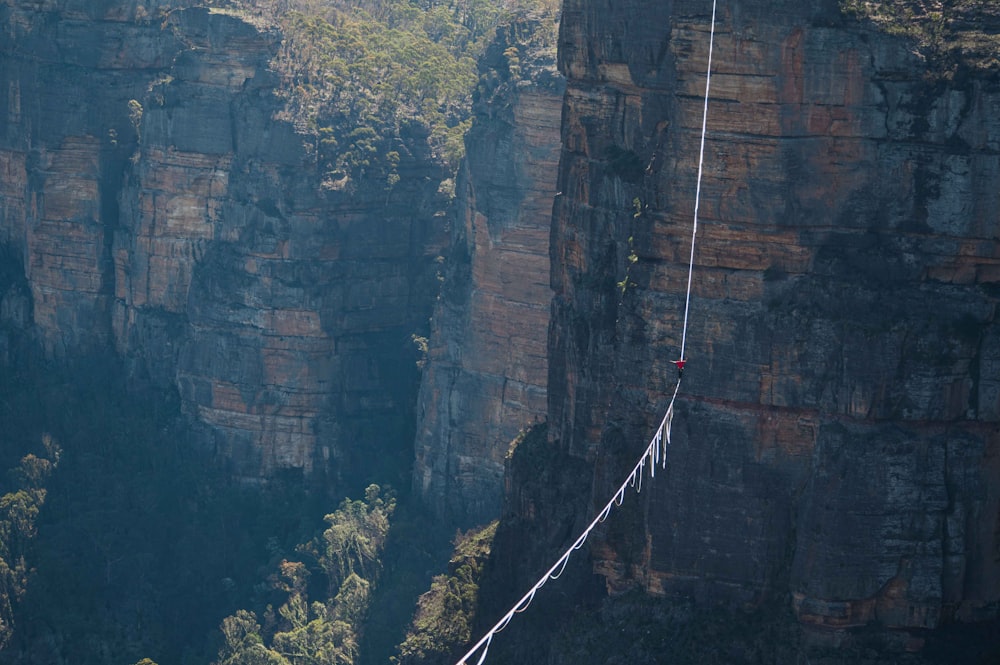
(368, 75)
(19, 511)
(318, 632)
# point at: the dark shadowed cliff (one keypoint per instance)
(835, 450)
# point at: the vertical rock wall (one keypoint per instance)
(486, 366)
(161, 209)
(836, 439)
(64, 139)
(295, 305)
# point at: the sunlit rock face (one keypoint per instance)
(836, 435)
(486, 368)
(161, 209)
(298, 304)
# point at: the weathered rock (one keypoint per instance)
(297, 304)
(486, 366)
(836, 434)
(179, 221)
(63, 148)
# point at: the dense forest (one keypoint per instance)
(363, 73)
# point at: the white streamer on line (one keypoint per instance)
(656, 451)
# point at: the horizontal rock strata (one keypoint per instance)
(175, 219)
(836, 434)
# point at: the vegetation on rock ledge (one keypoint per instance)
(948, 32)
(445, 614)
(346, 557)
(368, 75)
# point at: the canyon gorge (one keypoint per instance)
(496, 340)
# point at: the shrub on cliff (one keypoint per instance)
(951, 34)
(372, 76)
(302, 632)
(444, 618)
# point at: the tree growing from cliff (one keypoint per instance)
(19, 509)
(445, 614)
(135, 115)
(318, 632)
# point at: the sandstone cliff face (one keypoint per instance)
(486, 368)
(836, 439)
(64, 137)
(298, 304)
(171, 216)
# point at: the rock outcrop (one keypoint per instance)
(836, 440)
(175, 218)
(486, 366)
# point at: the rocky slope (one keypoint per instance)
(486, 367)
(174, 217)
(836, 440)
